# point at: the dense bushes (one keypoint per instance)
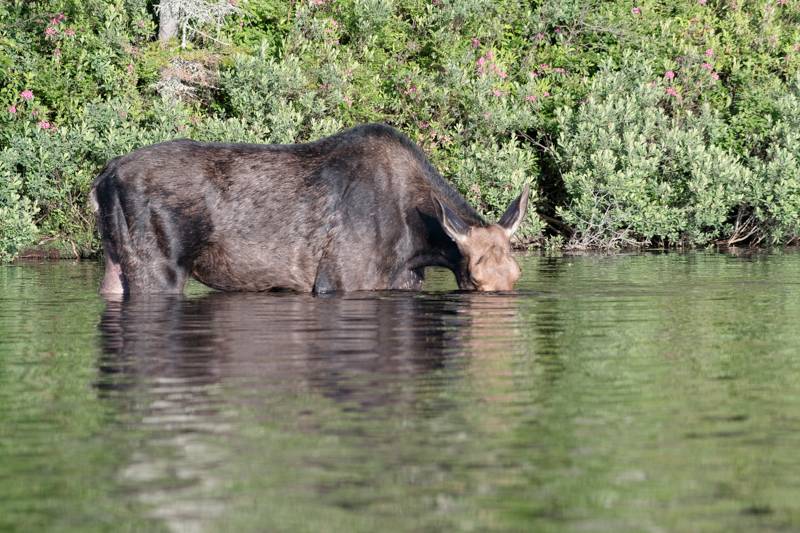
(639, 167)
(656, 123)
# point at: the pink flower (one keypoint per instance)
(559, 70)
(530, 98)
(539, 36)
(671, 91)
(481, 61)
(12, 109)
(43, 124)
(709, 52)
(130, 68)
(476, 42)
(714, 76)
(27, 94)
(558, 30)
(503, 75)
(544, 66)
(669, 75)
(489, 54)
(636, 10)
(545, 94)
(701, 2)
(34, 113)
(50, 31)
(69, 32)
(497, 92)
(707, 66)
(533, 74)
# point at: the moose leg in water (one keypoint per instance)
(361, 210)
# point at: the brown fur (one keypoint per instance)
(362, 210)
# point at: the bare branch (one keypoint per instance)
(189, 16)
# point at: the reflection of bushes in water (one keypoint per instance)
(691, 140)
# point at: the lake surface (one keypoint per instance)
(608, 393)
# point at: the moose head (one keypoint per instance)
(487, 263)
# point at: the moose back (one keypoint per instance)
(361, 210)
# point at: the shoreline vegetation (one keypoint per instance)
(650, 124)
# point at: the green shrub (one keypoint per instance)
(639, 167)
(771, 212)
(17, 225)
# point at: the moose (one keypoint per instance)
(361, 210)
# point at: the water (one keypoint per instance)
(624, 393)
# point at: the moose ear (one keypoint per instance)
(515, 213)
(452, 224)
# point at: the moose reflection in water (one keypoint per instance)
(352, 348)
(184, 370)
